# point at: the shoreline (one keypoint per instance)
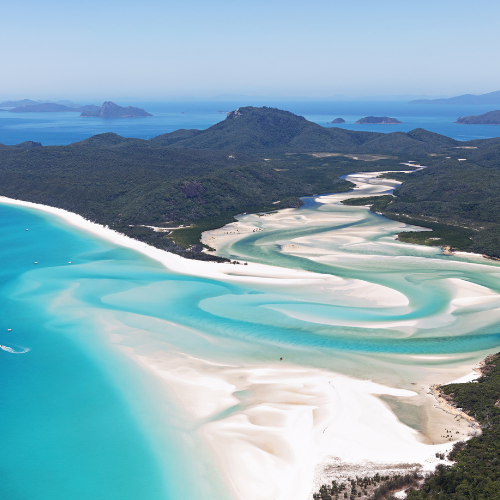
(251, 272)
(445, 402)
(269, 420)
(294, 427)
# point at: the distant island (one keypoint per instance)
(53, 108)
(29, 102)
(337, 120)
(380, 120)
(490, 98)
(111, 110)
(490, 118)
(107, 110)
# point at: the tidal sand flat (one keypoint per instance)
(237, 381)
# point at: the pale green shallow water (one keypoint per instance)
(81, 420)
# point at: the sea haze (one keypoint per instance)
(65, 128)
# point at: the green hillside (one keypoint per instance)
(268, 130)
(490, 118)
(129, 183)
(476, 472)
(264, 156)
(460, 193)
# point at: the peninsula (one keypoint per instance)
(111, 110)
(490, 118)
(378, 120)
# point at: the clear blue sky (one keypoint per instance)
(162, 49)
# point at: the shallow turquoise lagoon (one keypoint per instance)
(78, 421)
(82, 420)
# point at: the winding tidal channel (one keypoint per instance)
(126, 376)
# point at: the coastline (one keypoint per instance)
(294, 428)
(286, 438)
(229, 272)
(446, 403)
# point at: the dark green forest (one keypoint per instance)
(260, 159)
(476, 472)
(269, 130)
(463, 194)
(131, 183)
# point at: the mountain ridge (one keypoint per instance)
(265, 130)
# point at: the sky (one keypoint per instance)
(152, 49)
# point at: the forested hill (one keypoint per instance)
(130, 183)
(109, 178)
(490, 118)
(269, 130)
(266, 159)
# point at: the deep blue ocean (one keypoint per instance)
(65, 128)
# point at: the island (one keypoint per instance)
(111, 110)
(337, 120)
(50, 107)
(29, 102)
(378, 120)
(107, 110)
(22, 102)
(492, 98)
(489, 118)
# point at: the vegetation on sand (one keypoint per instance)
(476, 471)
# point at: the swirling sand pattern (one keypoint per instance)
(352, 312)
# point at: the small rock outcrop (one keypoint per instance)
(234, 114)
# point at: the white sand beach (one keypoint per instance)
(277, 429)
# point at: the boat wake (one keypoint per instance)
(12, 351)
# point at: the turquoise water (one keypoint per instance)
(81, 419)
(77, 419)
